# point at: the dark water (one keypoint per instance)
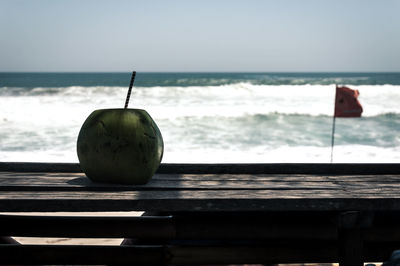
(46, 80)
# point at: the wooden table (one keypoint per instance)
(208, 214)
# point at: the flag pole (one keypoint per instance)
(333, 136)
(333, 127)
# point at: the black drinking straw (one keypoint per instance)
(130, 89)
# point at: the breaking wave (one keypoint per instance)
(214, 118)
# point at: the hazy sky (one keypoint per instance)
(204, 35)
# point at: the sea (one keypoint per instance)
(207, 117)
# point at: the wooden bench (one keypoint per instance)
(207, 214)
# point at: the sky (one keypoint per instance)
(204, 36)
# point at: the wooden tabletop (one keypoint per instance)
(372, 188)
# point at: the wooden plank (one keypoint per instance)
(333, 186)
(201, 192)
(323, 252)
(278, 177)
(44, 183)
(52, 181)
(255, 226)
(145, 227)
(209, 186)
(231, 226)
(39, 167)
(59, 177)
(296, 200)
(206, 189)
(279, 168)
(165, 255)
(273, 253)
(257, 194)
(81, 255)
(161, 189)
(215, 177)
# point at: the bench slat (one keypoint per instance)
(81, 255)
(223, 200)
(50, 181)
(252, 168)
(182, 255)
(146, 227)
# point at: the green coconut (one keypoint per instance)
(122, 146)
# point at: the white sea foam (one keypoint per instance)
(284, 154)
(230, 123)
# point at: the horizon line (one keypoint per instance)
(289, 72)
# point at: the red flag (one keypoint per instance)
(346, 103)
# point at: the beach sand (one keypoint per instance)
(74, 241)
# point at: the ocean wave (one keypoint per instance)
(228, 100)
(50, 133)
(56, 91)
(48, 80)
(243, 88)
(208, 117)
(250, 120)
(283, 154)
